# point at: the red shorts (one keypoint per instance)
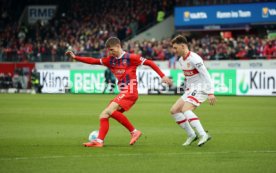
(126, 100)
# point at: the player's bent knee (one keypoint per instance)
(109, 110)
(105, 114)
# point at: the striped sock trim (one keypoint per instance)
(180, 122)
(193, 119)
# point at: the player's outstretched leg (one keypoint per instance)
(127, 101)
(122, 119)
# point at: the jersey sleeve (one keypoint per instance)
(104, 61)
(91, 60)
(154, 67)
(197, 62)
(137, 60)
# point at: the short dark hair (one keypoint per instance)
(179, 39)
(112, 41)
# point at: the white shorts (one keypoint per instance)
(196, 97)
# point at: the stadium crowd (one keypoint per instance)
(83, 26)
(210, 48)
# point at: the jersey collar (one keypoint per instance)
(188, 54)
(121, 55)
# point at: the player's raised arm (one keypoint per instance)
(88, 60)
(150, 63)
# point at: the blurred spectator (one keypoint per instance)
(2, 80)
(110, 81)
(160, 15)
(172, 59)
(35, 79)
(17, 81)
(7, 81)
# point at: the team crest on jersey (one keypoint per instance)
(188, 65)
(124, 62)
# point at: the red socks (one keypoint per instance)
(104, 126)
(121, 118)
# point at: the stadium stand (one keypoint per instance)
(84, 26)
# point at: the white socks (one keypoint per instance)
(183, 123)
(194, 121)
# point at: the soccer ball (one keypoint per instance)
(93, 135)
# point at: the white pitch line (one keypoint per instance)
(135, 154)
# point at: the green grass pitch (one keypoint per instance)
(44, 133)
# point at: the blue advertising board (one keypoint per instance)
(234, 14)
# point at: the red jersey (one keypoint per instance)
(123, 68)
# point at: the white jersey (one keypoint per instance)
(196, 75)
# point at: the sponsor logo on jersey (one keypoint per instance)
(190, 72)
(120, 71)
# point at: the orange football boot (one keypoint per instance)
(93, 143)
(135, 136)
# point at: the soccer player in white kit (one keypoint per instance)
(198, 87)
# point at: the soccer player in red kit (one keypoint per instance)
(123, 65)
